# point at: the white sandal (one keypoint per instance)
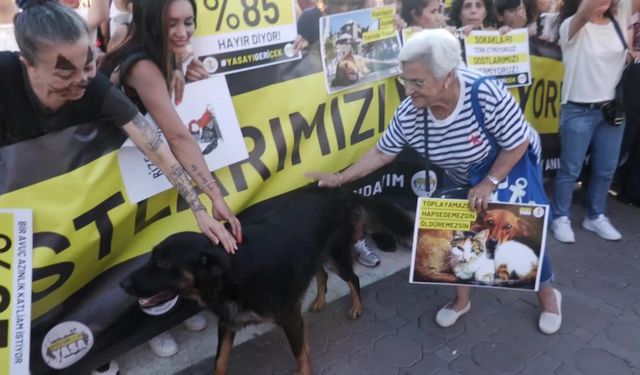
(447, 317)
(550, 323)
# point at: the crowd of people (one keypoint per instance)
(119, 60)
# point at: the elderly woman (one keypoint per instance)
(438, 90)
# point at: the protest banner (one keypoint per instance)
(359, 47)
(457, 246)
(15, 290)
(505, 57)
(234, 36)
(88, 233)
(208, 113)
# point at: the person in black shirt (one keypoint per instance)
(53, 85)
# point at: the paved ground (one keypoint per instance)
(397, 334)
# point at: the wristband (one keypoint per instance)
(494, 180)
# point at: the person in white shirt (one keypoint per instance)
(594, 58)
(8, 9)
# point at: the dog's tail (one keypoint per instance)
(386, 222)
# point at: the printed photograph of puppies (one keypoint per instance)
(347, 59)
(502, 249)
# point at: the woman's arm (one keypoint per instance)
(585, 12)
(151, 87)
(98, 13)
(371, 161)
(480, 194)
(150, 143)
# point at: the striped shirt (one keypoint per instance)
(457, 142)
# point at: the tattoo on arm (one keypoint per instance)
(151, 136)
(182, 183)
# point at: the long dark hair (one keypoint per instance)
(456, 8)
(45, 23)
(148, 34)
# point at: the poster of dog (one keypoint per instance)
(359, 47)
(208, 113)
(500, 247)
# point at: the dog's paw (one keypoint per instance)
(317, 305)
(355, 313)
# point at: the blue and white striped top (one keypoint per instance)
(457, 143)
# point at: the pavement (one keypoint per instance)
(397, 333)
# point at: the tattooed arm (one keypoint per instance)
(150, 143)
(147, 80)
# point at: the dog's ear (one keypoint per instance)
(526, 229)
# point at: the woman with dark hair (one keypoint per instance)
(594, 56)
(472, 14)
(143, 65)
(426, 14)
(511, 13)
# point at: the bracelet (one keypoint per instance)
(207, 184)
(494, 180)
(339, 178)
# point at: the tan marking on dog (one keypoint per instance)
(356, 304)
(222, 361)
(303, 365)
(320, 301)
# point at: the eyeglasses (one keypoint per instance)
(417, 83)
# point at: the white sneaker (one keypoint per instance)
(561, 230)
(110, 368)
(196, 323)
(366, 257)
(164, 345)
(602, 227)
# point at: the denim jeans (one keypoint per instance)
(582, 129)
(546, 274)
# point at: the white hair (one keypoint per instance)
(437, 49)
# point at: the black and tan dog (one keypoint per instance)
(267, 277)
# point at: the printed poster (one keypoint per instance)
(16, 236)
(208, 112)
(359, 47)
(500, 247)
(505, 57)
(233, 35)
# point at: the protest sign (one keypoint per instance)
(359, 47)
(505, 57)
(454, 245)
(15, 290)
(233, 36)
(209, 115)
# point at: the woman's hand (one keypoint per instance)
(215, 231)
(325, 179)
(196, 70)
(480, 195)
(504, 30)
(222, 212)
(300, 43)
(176, 86)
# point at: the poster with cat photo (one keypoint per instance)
(500, 247)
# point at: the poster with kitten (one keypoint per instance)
(500, 247)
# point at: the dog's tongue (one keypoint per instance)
(155, 299)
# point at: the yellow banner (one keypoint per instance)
(499, 59)
(99, 228)
(230, 16)
(541, 100)
(495, 39)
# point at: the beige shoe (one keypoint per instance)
(550, 323)
(447, 317)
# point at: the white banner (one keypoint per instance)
(208, 113)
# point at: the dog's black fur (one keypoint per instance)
(272, 269)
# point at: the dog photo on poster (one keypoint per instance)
(500, 247)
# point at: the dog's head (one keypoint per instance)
(504, 225)
(186, 263)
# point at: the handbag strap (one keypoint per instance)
(619, 32)
(477, 111)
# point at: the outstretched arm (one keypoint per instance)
(371, 161)
(150, 143)
(150, 86)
